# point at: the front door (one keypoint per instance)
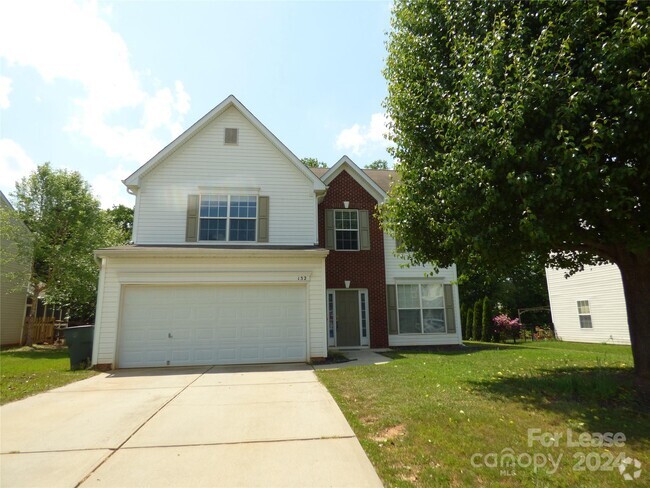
(347, 318)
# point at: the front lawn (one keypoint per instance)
(445, 417)
(25, 371)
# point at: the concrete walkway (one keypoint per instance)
(272, 425)
(358, 357)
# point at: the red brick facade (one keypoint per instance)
(364, 269)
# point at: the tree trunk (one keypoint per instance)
(635, 272)
(29, 323)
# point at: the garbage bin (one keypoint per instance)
(80, 345)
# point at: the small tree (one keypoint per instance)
(378, 164)
(476, 326)
(469, 322)
(313, 163)
(486, 322)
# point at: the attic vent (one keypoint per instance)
(232, 136)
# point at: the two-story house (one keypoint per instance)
(241, 254)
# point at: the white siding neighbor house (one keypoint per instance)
(12, 300)
(589, 306)
(228, 261)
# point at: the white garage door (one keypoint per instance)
(197, 325)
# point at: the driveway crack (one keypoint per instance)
(140, 427)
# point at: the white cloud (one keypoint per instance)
(14, 164)
(360, 138)
(72, 41)
(5, 90)
(108, 188)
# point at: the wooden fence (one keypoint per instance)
(43, 330)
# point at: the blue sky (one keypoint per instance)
(100, 87)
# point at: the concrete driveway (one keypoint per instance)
(272, 425)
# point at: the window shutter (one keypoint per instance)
(263, 219)
(391, 295)
(449, 309)
(364, 230)
(192, 221)
(329, 229)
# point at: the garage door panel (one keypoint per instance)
(212, 325)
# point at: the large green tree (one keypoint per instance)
(521, 128)
(122, 218)
(66, 225)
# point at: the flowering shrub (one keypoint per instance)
(504, 326)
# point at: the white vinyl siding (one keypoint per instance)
(602, 288)
(118, 273)
(205, 161)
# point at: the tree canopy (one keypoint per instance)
(66, 225)
(520, 128)
(313, 163)
(377, 164)
(122, 218)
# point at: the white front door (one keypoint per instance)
(213, 324)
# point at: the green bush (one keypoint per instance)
(469, 321)
(476, 328)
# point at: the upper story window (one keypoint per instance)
(346, 228)
(228, 218)
(584, 314)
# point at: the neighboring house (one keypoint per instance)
(228, 264)
(12, 301)
(589, 306)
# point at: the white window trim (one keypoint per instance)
(444, 312)
(357, 230)
(590, 315)
(228, 217)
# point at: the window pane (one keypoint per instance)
(583, 306)
(432, 296)
(409, 322)
(434, 321)
(347, 239)
(243, 206)
(212, 230)
(585, 322)
(346, 219)
(242, 230)
(407, 296)
(214, 206)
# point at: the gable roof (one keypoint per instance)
(376, 181)
(133, 181)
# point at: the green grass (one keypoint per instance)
(421, 417)
(26, 371)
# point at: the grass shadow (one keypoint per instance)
(602, 398)
(38, 354)
(451, 350)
